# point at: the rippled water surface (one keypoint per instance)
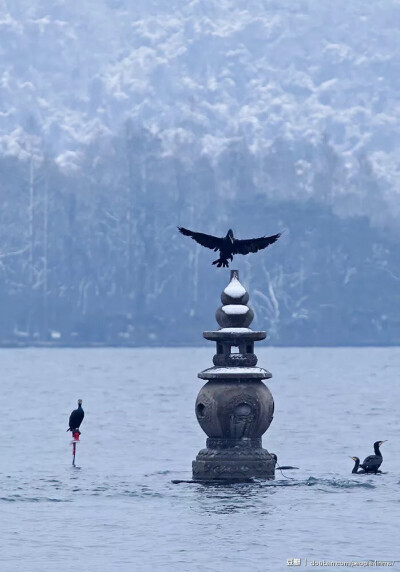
(119, 511)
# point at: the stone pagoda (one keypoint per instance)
(234, 408)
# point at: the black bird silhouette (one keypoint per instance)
(285, 467)
(372, 463)
(229, 245)
(356, 465)
(76, 417)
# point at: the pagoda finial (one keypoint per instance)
(234, 312)
(235, 292)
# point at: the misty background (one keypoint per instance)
(120, 120)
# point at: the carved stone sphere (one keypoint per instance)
(234, 410)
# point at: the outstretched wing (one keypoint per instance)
(204, 239)
(253, 244)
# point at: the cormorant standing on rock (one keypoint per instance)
(356, 465)
(372, 463)
(76, 417)
(229, 245)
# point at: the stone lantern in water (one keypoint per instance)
(234, 408)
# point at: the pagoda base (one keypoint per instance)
(233, 460)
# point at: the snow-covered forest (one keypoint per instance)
(121, 120)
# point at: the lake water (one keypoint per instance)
(119, 510)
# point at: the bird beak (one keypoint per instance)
(382, 442)
(352, 458)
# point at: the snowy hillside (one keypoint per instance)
(120, 119)
(202, 73)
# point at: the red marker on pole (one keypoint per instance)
(75, 436)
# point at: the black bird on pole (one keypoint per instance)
(372, 463)
(76, 417)
(229, 245)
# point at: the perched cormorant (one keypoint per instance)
(229, 245)
(76, 417)
(356, 465)
(372, 463)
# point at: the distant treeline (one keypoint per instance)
(93, 255)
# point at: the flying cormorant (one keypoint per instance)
(372, 463)
(76, 417)
(356, 465)
(229, 245)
